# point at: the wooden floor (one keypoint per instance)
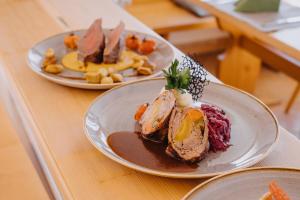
(273, 88)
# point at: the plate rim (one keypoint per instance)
(210, 181)
(90, 86)
(175, 174)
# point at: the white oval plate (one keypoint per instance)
(254, 127)
(162, 57)
(248, 184)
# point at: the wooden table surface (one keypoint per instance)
(53, 115)
(18, 176)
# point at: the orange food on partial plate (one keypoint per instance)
(275, 193)
(97, 50)
(132, 42)
(147, 46)
(71, 40)
(139, 113)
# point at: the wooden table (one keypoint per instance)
(52, 115)
(168, 16)
(241, 65)
(18, 177)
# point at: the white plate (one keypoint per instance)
(161, 57)
(248, 184)
(254, 127)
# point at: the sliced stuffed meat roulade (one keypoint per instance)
(188, 134)
(156, 116)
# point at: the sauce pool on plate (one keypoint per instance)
(132, 148)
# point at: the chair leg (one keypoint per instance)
(292, 99)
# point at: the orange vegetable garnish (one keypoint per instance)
(147, 46)
(133, 42)
(71, 41)
(277, 192)
(139, 113)
(268, 196)
(195, 115)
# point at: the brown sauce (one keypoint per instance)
(131, 147)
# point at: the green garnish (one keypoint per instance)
(177, 79)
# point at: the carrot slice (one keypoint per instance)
(277, 192)
(139, 113)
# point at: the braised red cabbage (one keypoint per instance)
(219, 128)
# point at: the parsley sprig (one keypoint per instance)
(177, 79)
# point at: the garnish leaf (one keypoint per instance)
(177, 79)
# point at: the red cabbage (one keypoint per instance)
(218, 128)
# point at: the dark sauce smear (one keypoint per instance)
(131, 147)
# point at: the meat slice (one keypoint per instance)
(188, 134)
(155, 119)
(91, 45)
(112, 44)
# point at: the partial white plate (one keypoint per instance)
(162, 57)
(248, 184)
(254, 127)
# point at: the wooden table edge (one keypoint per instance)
(50, 168)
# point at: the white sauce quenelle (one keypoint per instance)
(183, 99)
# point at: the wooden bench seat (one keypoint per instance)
(164, 16)
(18, 178)
(200, 40)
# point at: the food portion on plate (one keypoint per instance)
(187, 134)
(275, 193)
(189, 131)
(132, 125)
(184, 131)
(102, 56)
(261, 183)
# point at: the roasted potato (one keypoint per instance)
(53, 68)
(103, 72)
(111, 70)
(117, 78)
(92, 77)
(107, 80)
(48, 61)
(144, 71)
(49, 58)
(49, 53)
(137, 64)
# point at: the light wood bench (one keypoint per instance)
(200, 41)
(18, 178)
(164, 16)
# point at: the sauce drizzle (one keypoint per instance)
(132, 148)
